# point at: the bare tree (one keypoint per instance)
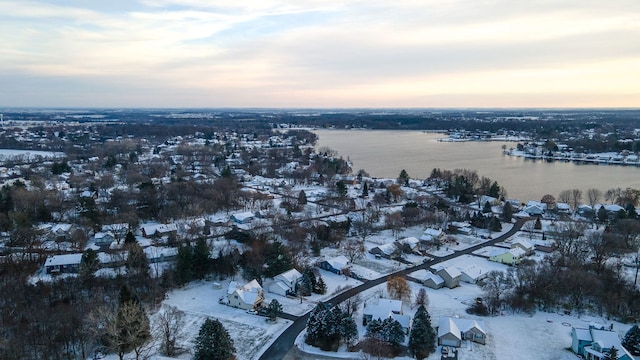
(576, 198)
(564, 196)
(170, 328)
(593, 196)
(354, 249)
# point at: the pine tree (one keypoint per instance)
(320, 287)
(129, 238)
(422, 337)
(308, 282)
(200, 261)
(213, 342)
(393, 332)
(612, 354)
(348, 330)
(315, 327)
(631, 340)
(274, 310)
(302, 198)
(184, 272)
(89, 263)
(365, 190)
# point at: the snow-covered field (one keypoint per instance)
(542, 336)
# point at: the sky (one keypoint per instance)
(320, 53)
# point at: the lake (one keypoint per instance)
(384, 153)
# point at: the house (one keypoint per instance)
(63, 264)
(249, 296)
(335, 265)
(285, 284)
(472, 274)
(62, 232)
(452, 331)
(243, 217)
(383, 309)
(594, 343)
(457, 227)
(388, 250)
(103, 238)
(523, 244)
(432, 235)
(409, 244)
(433, 281)
(151, 230)
(511, 257)
(563, 208)
(451, 276)
(534, 210)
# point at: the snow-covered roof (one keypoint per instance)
(66, 259)
(451, 270)
(387, 249)
(517, 252)
(457, 326)
(437, 279)
(57, 228)
(338, 262)
(290, 275)
(151, 229)
(411, 241)
(243, 216)
(446, 325)
(383, 309)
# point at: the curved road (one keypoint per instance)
(284, 342)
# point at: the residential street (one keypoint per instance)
(281, 346)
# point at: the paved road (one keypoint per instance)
(284, 342)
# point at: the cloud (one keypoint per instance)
(319, 52)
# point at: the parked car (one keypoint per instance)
(252, 312)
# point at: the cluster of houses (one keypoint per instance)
(595, 342)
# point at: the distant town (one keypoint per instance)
(145, 234)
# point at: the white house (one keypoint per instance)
(432, 235)
(285, 283)
(451, 331)
(386, 308)
(248, 296)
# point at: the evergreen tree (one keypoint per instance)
(302, 198)
(274, 310)
(612, 354)
(129, 238)
(308, 282)
(137, 263)
(341, 188)
(393, 332)
(631, 340)
(507, 212)
(487, 207)
(277, 260)
(213, 342)
(200, 259)
(365, 190)
(89, 263)
(320, 287)
(315, 324)
(403, 178)
(348, 329)
(422, 336)
(184, 272)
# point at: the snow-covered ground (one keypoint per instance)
(542, 336)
